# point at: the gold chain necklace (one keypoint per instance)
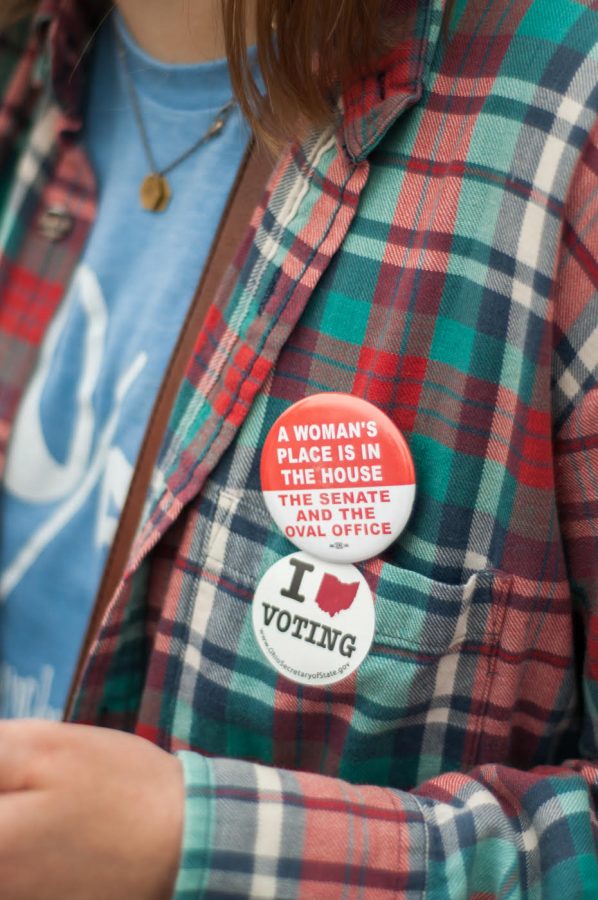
(155, 192)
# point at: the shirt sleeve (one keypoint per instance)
(495, 830)
(254, 831)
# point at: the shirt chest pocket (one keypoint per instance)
(430, 667)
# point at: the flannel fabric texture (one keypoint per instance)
(436, 254)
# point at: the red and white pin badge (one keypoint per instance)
(314, 621)
(338, 477)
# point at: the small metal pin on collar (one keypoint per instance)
(55, 223)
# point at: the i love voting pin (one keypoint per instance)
(337, 477)
(313, 620)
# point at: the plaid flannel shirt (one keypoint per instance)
(436, 254)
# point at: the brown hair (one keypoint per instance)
(305, 49)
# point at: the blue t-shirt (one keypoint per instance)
(82, 418)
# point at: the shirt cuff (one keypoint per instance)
(194, 864)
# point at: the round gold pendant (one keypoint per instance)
(155, 193)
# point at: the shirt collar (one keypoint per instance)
(373, 103)
(69, 26)
(370, 105)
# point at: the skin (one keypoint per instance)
(191, 31)
(88, 813)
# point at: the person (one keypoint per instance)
(429, 249)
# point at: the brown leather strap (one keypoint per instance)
(244, 196)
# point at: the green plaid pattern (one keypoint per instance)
(437, 255)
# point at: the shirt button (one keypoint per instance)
(55, 223)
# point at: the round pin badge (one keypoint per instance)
(337, 477)
(313, 620)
